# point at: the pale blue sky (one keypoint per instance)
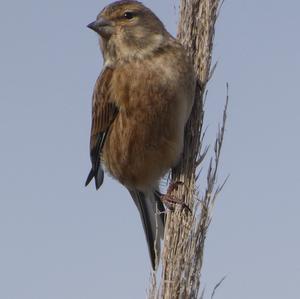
(59, 240)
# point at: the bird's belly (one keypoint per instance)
(138, 154)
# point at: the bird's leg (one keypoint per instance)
(169, 200)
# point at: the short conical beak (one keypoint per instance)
(99, 24)
(92, 26)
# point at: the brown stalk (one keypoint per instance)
(185, 232)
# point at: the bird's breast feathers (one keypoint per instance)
(165, 76)
(154, 98)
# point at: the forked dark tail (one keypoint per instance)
(152, 214)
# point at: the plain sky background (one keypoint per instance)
(59, 240)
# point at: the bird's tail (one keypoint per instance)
(152, 214)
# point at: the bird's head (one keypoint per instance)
(128, 29)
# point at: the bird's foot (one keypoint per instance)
(170, 200)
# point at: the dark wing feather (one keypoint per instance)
(103, 114)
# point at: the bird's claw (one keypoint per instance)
(169, 200)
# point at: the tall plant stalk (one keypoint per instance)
(185, 232)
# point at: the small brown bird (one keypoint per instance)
(141, 102)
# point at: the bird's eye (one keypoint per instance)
(128, 15)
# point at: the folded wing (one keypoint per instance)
(103, 114)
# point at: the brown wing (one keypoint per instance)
(103, 114)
